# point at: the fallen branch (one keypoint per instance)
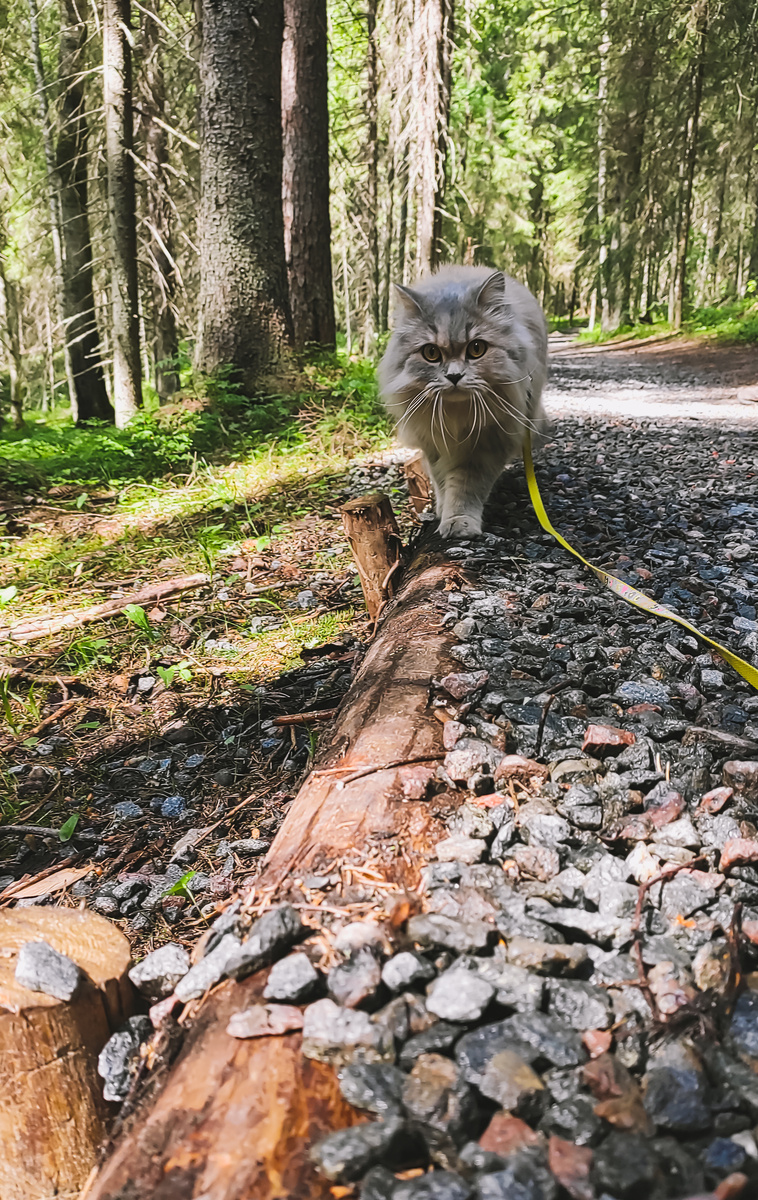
(61, 711)
(30, 631)
(305, 718)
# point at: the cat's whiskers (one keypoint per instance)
(520, 418)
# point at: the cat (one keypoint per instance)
(463, 375)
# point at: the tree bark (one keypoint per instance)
(377, 549)
(52, 1114)
(189, 1143)
(89, 397)
(687, 174)
(119, 146)
(10, 317)
(305, 180)
(160, 247)
(244, 302)
(371, 326)
(433, 45)
(54, 202)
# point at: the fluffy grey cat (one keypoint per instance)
(463, 376)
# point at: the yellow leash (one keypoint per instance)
(628, 593)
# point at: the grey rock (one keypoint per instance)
(574, 1120)
(509, 1079)
(437, 1185)
(440, 1101)
(269, 938)
(338, 1035)
(354, 982)
(545, 829)
(438, 1039)
(626, 1165)
(516, 987)
(209, 970)
(378, 1184)
(472, 822)
(293, 979)
(646, 691)
(459, 995)
(675, 1090)
(41, 968)
(474, 1051)
(548, 1036)
(459, 848)
(160, 971)
(581, 1005)
(743, 1028)
(405, 970)
(463, 937)
(603, 872)
(525, 1177)
(471, 756)
(549, 958)
(119, 1058)
(376, 1087)
(346, 1155)
(126, 810)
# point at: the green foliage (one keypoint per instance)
(178, 671)
(68, 828)
(136, 614)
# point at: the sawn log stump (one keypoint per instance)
(52, 1114)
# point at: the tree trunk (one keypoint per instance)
(54, 203)
(119, 146)
(433, 45)
(89, 397)
(244, 302)
(10, 315)
(371, 326)
(160, 249)
(305, 180)
(687, 175)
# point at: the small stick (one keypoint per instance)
(401, 762)
(60, 711)
(305, 718)
(543, 719)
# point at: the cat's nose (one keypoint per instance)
(454, 376)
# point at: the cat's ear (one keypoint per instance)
(492, 292)
(407, 302)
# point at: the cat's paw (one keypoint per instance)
(464, 527)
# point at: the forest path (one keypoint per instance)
(654, 377)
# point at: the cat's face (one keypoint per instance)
(452, 338)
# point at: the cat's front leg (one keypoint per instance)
(464, 493)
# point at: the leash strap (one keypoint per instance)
(624, 590)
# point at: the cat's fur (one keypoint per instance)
(470, 428)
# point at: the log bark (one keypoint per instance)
(52, 1115)
(190, 1143)
(376, 547)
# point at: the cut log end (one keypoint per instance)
(52, 1115)
(419, 487)
(376, 545)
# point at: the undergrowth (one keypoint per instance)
(734, 322)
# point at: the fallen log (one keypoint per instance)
(237, 1118)
(52, 1115)
(30, 631)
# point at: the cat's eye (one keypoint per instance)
(476, 349)
(431, 353)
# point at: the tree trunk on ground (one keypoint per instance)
(10, 320)
(305, 180)
(160, 249)
(433, 46)
(119, 145)
(89, 398)
(52, 1114)
(244, 301)
(190, 1143)
(687, 175)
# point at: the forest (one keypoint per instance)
(170, 203)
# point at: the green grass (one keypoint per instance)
(736, 322)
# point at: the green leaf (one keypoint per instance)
(66, 831)
(7, 594)
(137, 615)
(181, 885)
